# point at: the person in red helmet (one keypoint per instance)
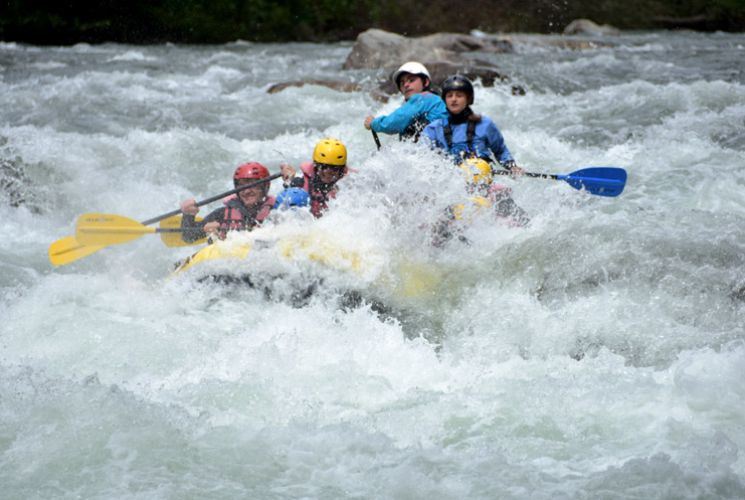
(242, 212)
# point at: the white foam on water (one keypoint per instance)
(597, 352)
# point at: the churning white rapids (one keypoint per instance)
(597, 353)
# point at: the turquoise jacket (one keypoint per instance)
(412, 116)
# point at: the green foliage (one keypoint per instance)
(219, 21)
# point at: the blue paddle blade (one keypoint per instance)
(602, 181)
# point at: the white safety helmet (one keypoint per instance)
(411, 67)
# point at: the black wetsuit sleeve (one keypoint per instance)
(505, 206)
(193, 230)
(442, 230)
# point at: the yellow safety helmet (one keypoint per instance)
(476, 171)
(330, 151)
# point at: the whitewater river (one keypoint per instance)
(598, 353)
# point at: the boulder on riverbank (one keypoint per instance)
(331, 84)
(439, 70)
(444, 54)
(441, 53)
(588, 27)
(376, 48)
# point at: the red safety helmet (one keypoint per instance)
(251, 170)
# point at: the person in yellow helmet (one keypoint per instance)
(485, 196)
(329, 166)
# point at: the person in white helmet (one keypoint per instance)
(420, 105)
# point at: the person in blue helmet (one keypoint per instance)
(420, 105)
(464, 134)
(292, 196)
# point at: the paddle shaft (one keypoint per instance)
(211, 199)
(137, 229)
(529, 174)
(376, 138)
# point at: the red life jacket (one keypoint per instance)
(318, 198)
(238, 217)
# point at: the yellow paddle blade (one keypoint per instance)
(173, 239)
(108, 229)
(66, 250)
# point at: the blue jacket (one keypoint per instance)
(487, 137)
(411, 117)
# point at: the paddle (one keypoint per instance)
(69, 249)
(110, 229)
(66, 250)
(173, 238)
(376, 138)
(602, 181)
(213, 198)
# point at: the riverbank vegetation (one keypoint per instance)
(219, 21)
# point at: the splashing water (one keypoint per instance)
(596, 353)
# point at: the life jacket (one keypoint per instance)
(414, 129)
(319, 193)
(495, 195)
(475, 204)
(447, 131)
(498, 191)
(238, 217)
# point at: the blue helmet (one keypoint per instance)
(292, 197)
